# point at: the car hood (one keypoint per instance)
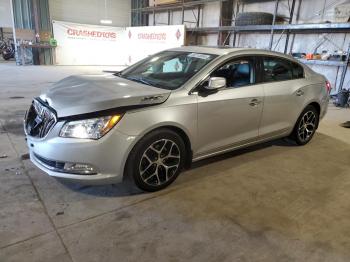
(83, 94)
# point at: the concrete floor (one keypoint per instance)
(274, 202)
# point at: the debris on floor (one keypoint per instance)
(3, 156)
(16, 97)
(25, 156)
(60, 213)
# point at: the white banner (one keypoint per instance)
(147, 40)
(81, 44)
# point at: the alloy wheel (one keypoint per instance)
(159, 162)
(307, 126)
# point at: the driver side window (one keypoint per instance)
(238, 72)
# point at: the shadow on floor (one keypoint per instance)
(127, 187)
(285, 142)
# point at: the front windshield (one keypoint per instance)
(168, 69)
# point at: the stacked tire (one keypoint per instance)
(254, 18)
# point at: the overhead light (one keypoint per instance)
(106, 21)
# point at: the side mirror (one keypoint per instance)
(216, 83)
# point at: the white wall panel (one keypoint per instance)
(5, 13)
(91, 11)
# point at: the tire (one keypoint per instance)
(6, 57)
(306, 126)
(254, 18)
(152, 165)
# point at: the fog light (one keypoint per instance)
(84, 169)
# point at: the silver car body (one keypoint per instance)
(213, 124)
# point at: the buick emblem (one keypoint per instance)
(37, 121)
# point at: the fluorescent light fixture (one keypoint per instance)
(106, 21)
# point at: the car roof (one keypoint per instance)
(215, 50)
(224, 50)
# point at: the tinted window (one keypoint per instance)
(298, 71)
(276, 69)
(237, 72)
(168, 69)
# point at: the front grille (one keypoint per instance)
(50, 163)
(39, 120)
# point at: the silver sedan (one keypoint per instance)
(156, 117)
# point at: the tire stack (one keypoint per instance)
(254, 18)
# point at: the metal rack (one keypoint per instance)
(295, 28)
(323, 62)
(226, 28)
(182, 5)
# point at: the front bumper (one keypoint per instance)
(107, 155)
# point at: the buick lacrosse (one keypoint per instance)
(156, 117)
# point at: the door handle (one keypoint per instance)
(299, 92)
(254, 102)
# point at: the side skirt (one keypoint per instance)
(243, 145)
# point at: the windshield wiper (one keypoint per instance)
(139, 80)
(118, 73)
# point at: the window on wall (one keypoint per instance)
(238, 72)
(277, 69)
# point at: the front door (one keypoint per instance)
(231, 116)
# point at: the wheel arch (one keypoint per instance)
(310, 103)
(186, 140)
(180, 131)
(317, 106)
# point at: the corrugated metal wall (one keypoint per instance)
(45, 55)
(23, 13)
(138, 18)
(24, 19)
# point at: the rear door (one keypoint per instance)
(283, 85)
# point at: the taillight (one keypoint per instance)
(328, 87)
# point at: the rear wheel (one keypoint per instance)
(156, 160)
(306, 125)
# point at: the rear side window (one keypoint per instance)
(277, 69)
(298, 71)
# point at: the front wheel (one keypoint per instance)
(156, 160)
(306, 125)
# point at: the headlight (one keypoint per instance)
(93, 128)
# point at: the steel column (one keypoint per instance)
(289, 22)
(183, 12)
(13, 29)
(273, 24)
(345, 69)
